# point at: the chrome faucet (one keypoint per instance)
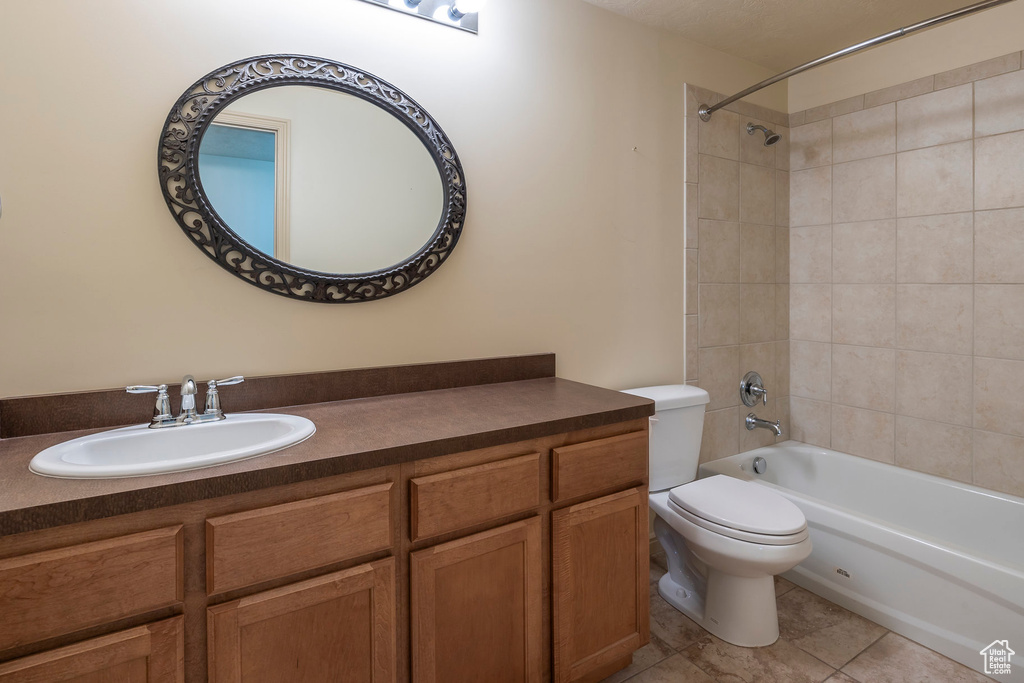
(754, 422)
(188, 414)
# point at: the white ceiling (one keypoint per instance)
(779, 34)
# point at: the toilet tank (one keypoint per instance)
(676, 431)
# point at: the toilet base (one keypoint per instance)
(740, 613)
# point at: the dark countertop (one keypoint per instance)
(351, 435)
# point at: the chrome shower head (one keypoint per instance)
(770, 136)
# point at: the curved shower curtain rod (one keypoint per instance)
(706, 111)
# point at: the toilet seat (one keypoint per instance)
(739, 509)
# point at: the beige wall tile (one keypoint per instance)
(719, 137)
(810, 312)
(899, 92)
(863, 134)
(781, 254)
(935, 249)
(866, 433)
(752, 149)
(757, 314)
(999, 174)
(719, 189)
(721, 438)
(757, 253)
(692, 279)
(781, 387)
(998, 400)
(810, 254)
(999, 462)
(998, 104)
(864, 377)
(974, 72)
(781, 312)
(810, 145)
(719, 251)
(692, 348)
(864, 315)
(720, 376)
(691, 164)
(998, 245)
(936, 118)
(810, 196)
(934, 386)
(757, 194)
(810, 370)
(692, 211)
(782, 148)
(810, 421)
(782, 415)
(719, 315)
(864, 190)
(864, 253)
(935, 180)
(936, 318)
(999, 321)
(782, 198)
(936, 448)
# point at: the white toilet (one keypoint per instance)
(725, 539)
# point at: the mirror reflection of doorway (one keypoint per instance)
(243, 166)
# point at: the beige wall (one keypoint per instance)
(737, 247)
(573, 242)
(907, 289)
(966, 41)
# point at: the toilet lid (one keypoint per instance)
(741, 505)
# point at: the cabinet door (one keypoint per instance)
(476, 608)
(148, 654)
(338, 628)
(600, 574)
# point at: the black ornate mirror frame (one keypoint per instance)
(179, 180)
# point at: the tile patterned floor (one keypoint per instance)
(818, 641)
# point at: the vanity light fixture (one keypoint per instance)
(461, 14)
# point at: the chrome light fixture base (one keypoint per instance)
(444, 12)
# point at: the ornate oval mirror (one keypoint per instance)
(312, 179)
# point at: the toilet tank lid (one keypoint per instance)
(672, 396)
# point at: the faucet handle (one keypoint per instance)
(752, 389)
(162, 410)
(213, 396)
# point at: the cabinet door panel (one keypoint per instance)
(338, 628)
(476, 607)
(601, 601)
(148, 654)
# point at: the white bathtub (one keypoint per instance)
(935, 560)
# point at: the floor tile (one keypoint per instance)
(655, 651)
(671, 625)
(675, 669)
(777, 663)
(829, 632)
(840, 677)
(782, 587)
(894, 659)
(659, 567)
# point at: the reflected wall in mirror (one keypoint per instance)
(312, 179)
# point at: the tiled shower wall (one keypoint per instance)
(907, 275)
(737, 260)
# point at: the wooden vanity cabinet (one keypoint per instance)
(338, 628)
(519, 563)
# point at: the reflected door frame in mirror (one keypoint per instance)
(193, 114)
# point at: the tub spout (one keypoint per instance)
(754, 422)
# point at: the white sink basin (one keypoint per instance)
(138, 450)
